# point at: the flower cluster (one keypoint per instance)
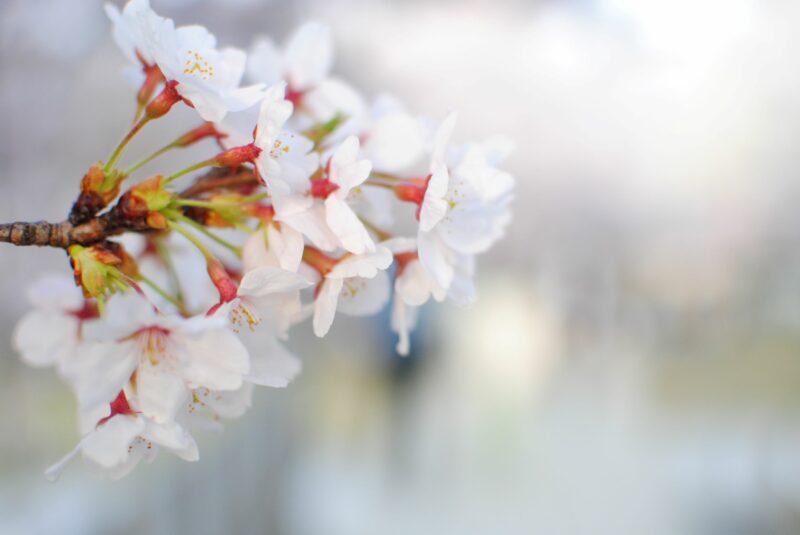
(182, 299)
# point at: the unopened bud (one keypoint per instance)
(201, 132)
(222, 280)
(164, 101)
(237, 156)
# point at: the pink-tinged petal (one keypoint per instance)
(325, 305)
(414, 285)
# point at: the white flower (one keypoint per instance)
(305, 66)
(464, 211)
(207, 78)
(356, 285)
(287, 160)
(393, 138)
(320, 208)
(128, 29)
(50, 334)
(347, 172)
(413, 286)
(169, 355)
(116, 439)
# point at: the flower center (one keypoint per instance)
(196, 65)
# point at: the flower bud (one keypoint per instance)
(222, 280)
(98, 189)
(145, 201)
(238, 155)
(201, 132)
(160, 105)
(97, 270)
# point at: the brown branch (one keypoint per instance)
(112, 222)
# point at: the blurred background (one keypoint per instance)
(633, 362)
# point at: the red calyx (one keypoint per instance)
(238, 155)
(118, 406)
(164, 101)
(294, 96)
(413, 190)
(89, 311)
(318, 260)
(152, 77)
(222, 280)
(322, 188)
(403, 259)
(201, 132)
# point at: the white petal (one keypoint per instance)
(312, 224)
(173, 437)
(364, 297)
(267, 280)
(264, 63)
(99, 370)
(434, 206)
(215, 359)
(440, 141)
(274, 365)
(55, 292)
(287, 244)
(435, 257)
(53, 472)
(108, 444)
(45, 338)
(309, 55)
(346, 170)
(347, 226)
(160, 393)
(325, 305)
(365, 265)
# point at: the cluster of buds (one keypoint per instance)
(183, 305)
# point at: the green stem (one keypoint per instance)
(211, 205)
(122, 144)
(166, 257)
(192, 238)
(163, 293)
(200, 228)
(141, 163)
(195, 167)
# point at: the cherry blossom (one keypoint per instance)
(51, 333)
